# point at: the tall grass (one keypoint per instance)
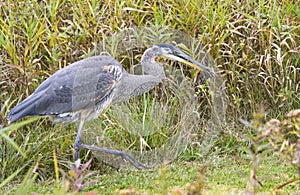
(254, 44)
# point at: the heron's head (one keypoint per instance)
(174, 53)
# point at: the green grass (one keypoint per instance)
(214, 175)
(254, 46)
(221, 175)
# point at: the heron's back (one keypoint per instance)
(86, 85)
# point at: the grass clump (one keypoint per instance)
(255, 47)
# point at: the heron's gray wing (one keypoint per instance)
(82, 89)
(88, 93)
(79, 86)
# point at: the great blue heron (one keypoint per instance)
(82, 90)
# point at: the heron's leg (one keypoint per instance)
(77, 140)
(137, 164)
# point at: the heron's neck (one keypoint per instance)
(150, 66)
(133, 85)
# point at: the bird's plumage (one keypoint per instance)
(93, 83)
(82, 90)
(81, 85)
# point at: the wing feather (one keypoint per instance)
(80, 85)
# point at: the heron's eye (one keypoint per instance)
(175, 52)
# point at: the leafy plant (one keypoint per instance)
(277, 136)
(284, 137)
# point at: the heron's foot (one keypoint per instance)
(137, 164)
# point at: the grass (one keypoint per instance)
(254, 46)
(182, 175)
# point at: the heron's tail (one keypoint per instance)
(25, 108)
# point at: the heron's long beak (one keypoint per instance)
(182, 57)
